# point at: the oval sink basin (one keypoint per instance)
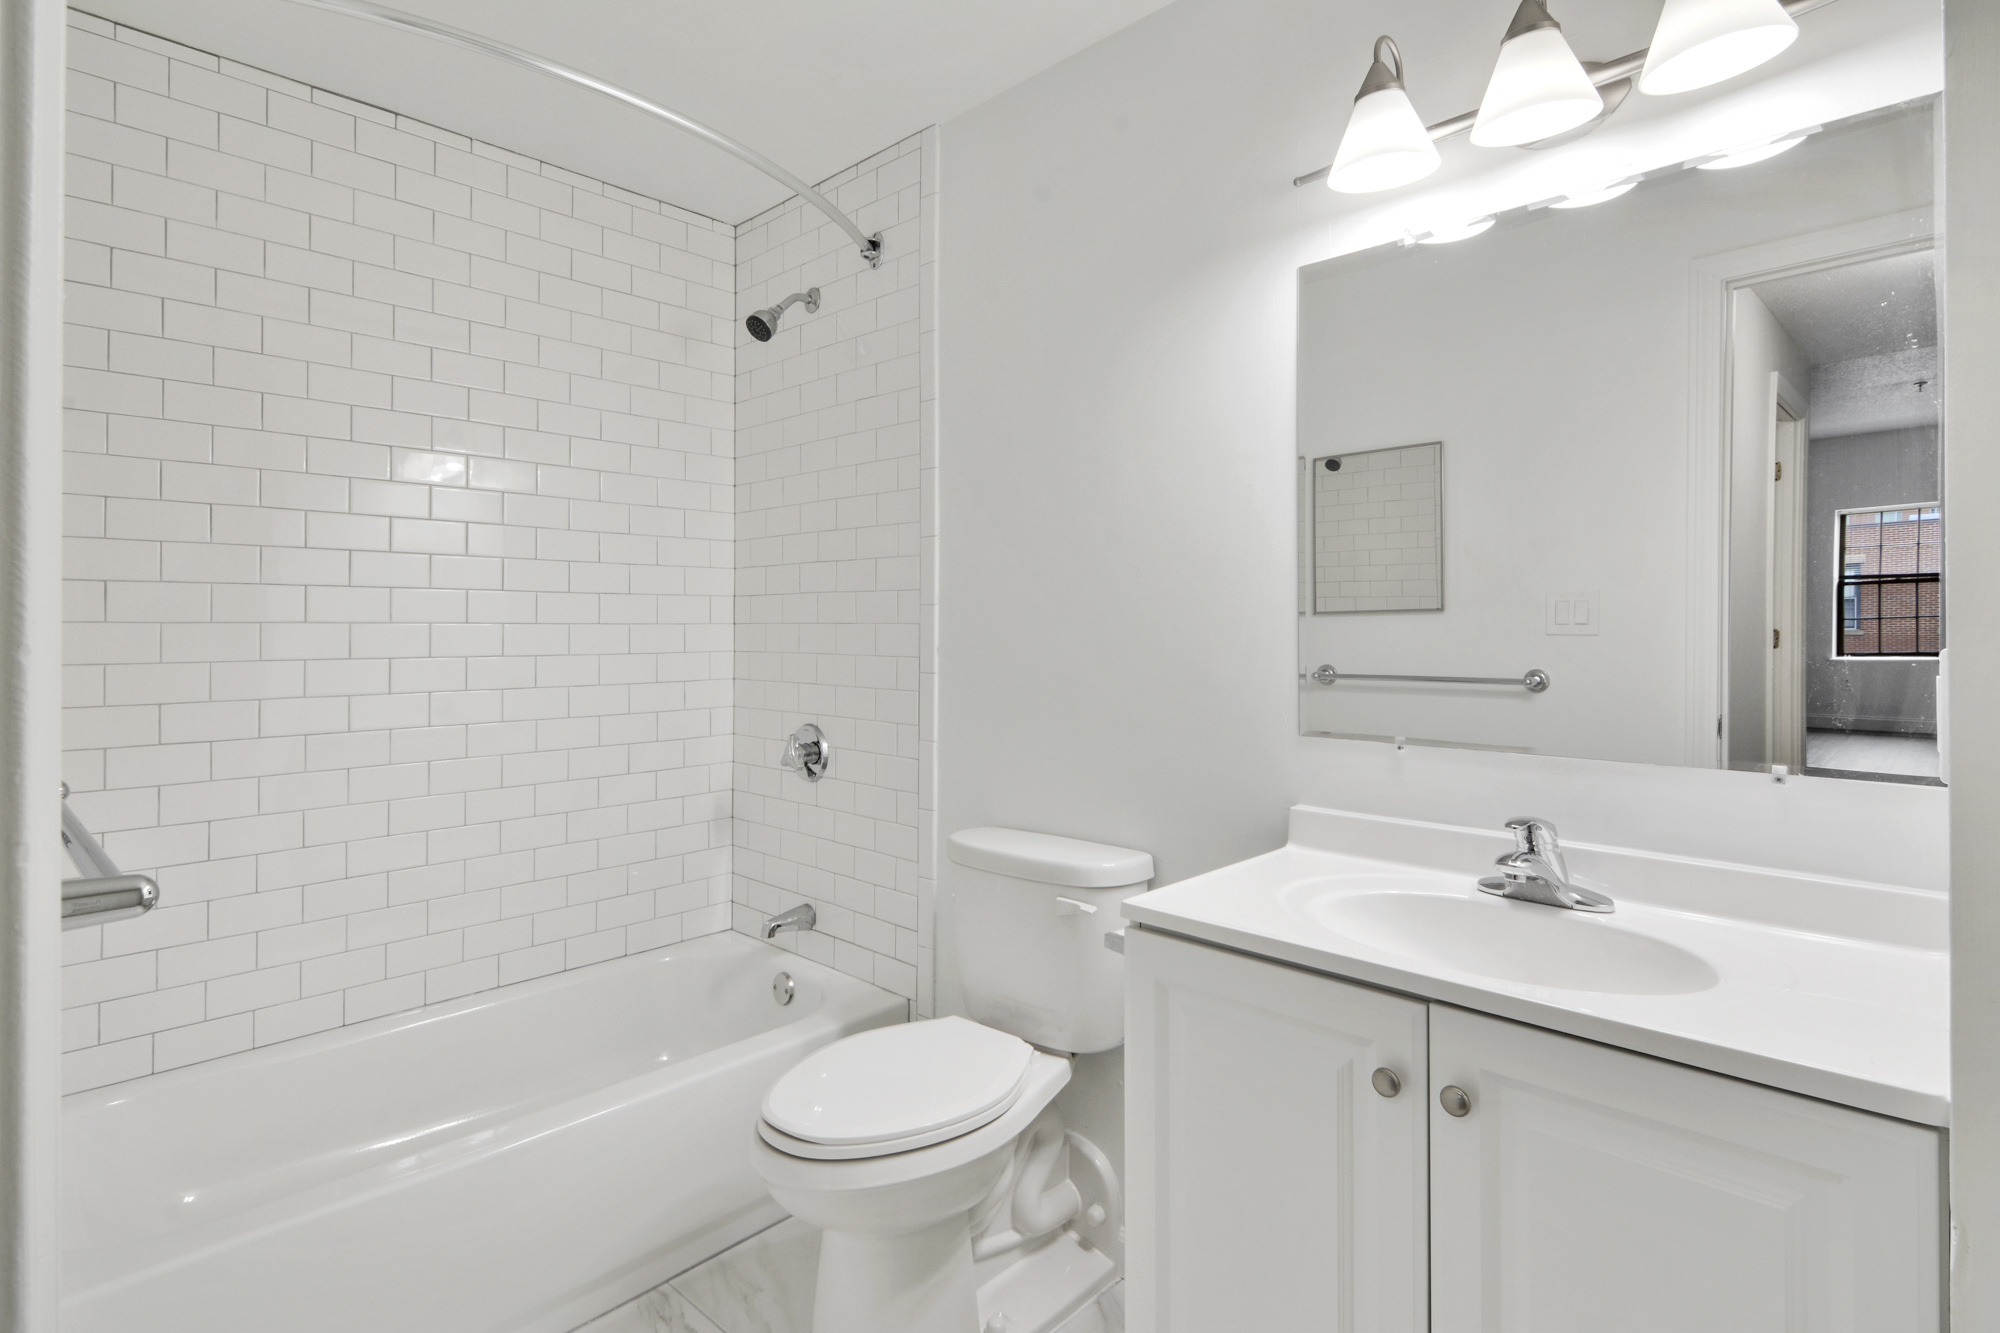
(1511, 941)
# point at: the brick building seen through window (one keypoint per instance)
(1891, 590)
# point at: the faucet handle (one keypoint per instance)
(1537, 837)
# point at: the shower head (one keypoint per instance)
(763, 323)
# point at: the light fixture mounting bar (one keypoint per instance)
(1624, 67)
(871, 246)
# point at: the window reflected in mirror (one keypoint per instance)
(1891, 566)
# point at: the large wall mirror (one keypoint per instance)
(1655, 479)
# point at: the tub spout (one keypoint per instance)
(802, 917)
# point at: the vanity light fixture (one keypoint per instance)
(1385, 143)
(1758, 152)
(1539, 88)
(1602, 194)
(1702, 42)
(1461, 231)
(1540, 95)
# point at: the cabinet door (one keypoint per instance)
(1590, 1189)
(1272, 1187)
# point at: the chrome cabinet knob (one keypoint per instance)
(1455, 1100)
(1386, 1082)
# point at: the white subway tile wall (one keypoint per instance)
(1377, 536)
(834, 461)
(401, 514)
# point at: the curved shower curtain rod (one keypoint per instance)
(871, 246)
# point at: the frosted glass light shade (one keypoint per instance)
(1700, 42)
(1538, 90)
(1385, 145)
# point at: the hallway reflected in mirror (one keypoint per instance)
(1849, 625)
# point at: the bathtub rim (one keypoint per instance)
(296, 1048)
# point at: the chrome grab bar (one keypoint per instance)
(92, 902)
(1533, 681)
(104, 892)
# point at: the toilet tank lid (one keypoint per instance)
(1049, 859)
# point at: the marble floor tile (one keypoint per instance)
(764, 1285)
(1106, 1314)
(661, 1310)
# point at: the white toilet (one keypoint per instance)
(899, 1142)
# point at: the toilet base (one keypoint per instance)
(916, 1282)
(1041, 1288)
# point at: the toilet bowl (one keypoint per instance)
(896, 1142)
(896, 1202)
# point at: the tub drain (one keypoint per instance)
(783, 988)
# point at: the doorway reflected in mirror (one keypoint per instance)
(1842, 493)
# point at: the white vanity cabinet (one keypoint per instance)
(1272, 1187)
(1587, 1188)
(1583, 1189)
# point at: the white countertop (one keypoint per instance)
(1831, 988)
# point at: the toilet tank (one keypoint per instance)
(1030, 913)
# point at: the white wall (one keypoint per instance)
(1971, 343)
(830, 619)
(400, 514)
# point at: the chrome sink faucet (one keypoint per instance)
(1534, 871)
(802, 917)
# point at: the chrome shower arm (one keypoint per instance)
(871, 246)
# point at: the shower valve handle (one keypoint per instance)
(807, 752)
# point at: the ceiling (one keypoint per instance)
(1856, 310)
(1894, 391)
(1870, 332)
(816, 86)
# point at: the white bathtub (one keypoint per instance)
(513, 1162)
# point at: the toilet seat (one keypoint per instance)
(895, 1089)
(847, 1152)
(781, 1170)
